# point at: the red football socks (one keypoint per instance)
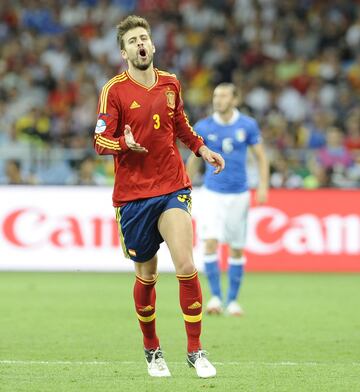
(145, 297)
(191, 305)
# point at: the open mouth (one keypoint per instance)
(142, 52)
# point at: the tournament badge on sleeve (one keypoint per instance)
(100, 126)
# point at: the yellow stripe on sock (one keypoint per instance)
(146, 319)
(147, 281)
(192, 319)
(186, 277)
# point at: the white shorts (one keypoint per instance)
(224, 217)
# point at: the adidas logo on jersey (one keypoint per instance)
(134, 105)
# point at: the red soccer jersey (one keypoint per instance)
(157, 118)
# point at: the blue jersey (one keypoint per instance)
(231, 141)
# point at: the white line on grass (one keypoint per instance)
(232, 363)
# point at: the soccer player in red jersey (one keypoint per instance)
(140, 117)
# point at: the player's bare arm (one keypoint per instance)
(263, 188)
(130, 141)
(213, 158)
(193, 165)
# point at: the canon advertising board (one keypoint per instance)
(74, 228)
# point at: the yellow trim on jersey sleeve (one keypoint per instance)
(105, 91)
(191, 128)
(108, 141)
(107, 144)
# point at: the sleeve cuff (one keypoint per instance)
(196, 152)
(122, 143)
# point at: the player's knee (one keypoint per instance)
(186, 270)
(210, 246)
(147, 270)
(236, 253)
(185, 267)
(147, 275)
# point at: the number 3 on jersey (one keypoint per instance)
(156, 119)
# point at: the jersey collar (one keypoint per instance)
(234, 118)
(141, 85)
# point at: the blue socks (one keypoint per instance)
(235, 274)
(212, 271)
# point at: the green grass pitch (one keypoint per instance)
(78, 332)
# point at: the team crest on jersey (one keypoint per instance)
(100, 126)
(240, 135)
(170, 99)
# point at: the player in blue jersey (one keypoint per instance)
(226, 199)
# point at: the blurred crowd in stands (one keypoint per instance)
(296, 64)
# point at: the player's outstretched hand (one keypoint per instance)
(130, 141)
(213, 158)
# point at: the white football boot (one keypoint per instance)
(234, 309)
(214, 306)
(198, 360)
(156, 363)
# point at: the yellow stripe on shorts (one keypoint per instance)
(121, 236)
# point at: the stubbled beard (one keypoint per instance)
(142, 66)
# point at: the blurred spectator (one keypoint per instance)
(315, 130)
(62, 98)
(323, 177)
(34, 126)
(354, 73)
(334, 153)
(86, 173)
(13, 172)
(353, 173)
(283, 176)
(353, 34)
(352, 127)
(296, 63)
